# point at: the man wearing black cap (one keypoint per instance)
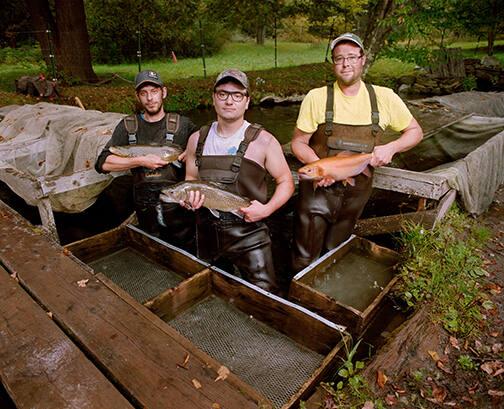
(348, 115)
(238, 155)
(153, 126)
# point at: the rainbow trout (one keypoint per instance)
(216, 198)
(342, 167)
(168, 153)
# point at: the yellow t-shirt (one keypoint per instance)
(353, 110)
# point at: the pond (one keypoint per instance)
(279, 119)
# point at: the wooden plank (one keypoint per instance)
(420, 184)
(173, 301)
(40, 366)
(139, 357)
(210, 362)
(444, 205)
(99, 245)
(47, 217)
(394, 223)
(296, 322)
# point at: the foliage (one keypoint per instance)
(413, 54)
(443, 268)
(25, 56)
(467, 363)
(351, 390)
(116, 27)
(469, 83)
(14, 24)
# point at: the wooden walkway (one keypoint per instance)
(69, 340)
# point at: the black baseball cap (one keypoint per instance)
(147, 77)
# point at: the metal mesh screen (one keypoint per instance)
(141, 277)
(264, 358)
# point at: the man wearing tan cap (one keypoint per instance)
(348, 115)
(153, 126)
(239, 155)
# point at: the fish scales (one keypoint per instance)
(216, 197)
(168, 153)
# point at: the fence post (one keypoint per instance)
(51, 54)
(139, 51)
(202, 44)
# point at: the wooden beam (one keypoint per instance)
(40, 366)
(421, 184)
(136, 354)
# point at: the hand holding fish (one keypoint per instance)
(255, 212)
(382, 155)
(194, 200)
(151, 161)
(326, 181)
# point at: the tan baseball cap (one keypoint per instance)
(353, 38)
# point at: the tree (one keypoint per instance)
(67, 38)
(253, 17)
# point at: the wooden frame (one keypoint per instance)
(298, 323)
(356, 320)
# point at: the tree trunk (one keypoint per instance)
(41, 21)
(260, 33)
(69, 35)
(372, 31)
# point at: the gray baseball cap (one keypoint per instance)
(147, 77)
(235, 75)
(353, 38)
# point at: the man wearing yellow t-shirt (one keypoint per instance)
(348, 115)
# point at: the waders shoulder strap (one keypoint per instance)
(251, 134)
(131, 125)
(203, 133)
(172, 126)
(329, 114)
(375, 114)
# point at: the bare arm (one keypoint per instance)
(301, 148)
(114, 163)
(277, 167)
(411, 136)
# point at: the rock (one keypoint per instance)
(270, 100)
(407, 79)
(404, 89)
(490, 61)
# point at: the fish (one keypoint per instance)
(168, 153)
(341, 167)
(217, 198)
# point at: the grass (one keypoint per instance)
(244, 56)
(444, 269)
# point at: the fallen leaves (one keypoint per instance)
(381, 378)
(492, 392)
(83, 283)
(223, 373)
(196, 383)
(493, 368)
(183, 365)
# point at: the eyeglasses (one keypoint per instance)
(351, 59)
(235, 95)
(153, 92)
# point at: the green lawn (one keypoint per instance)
(244, 56)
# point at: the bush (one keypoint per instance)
(413, 54)
(26, 55)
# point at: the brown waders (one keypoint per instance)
(325, 217)
(246, 245)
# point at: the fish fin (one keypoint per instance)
(160, 217)
(237, 213)
(215, 213)
(367, 172)
(350, 181)
(315, 184)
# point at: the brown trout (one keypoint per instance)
(216, 198)
(168, 153)
(342, 167)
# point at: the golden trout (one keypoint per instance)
(216, 198)
(341, 167)
(168, 153)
